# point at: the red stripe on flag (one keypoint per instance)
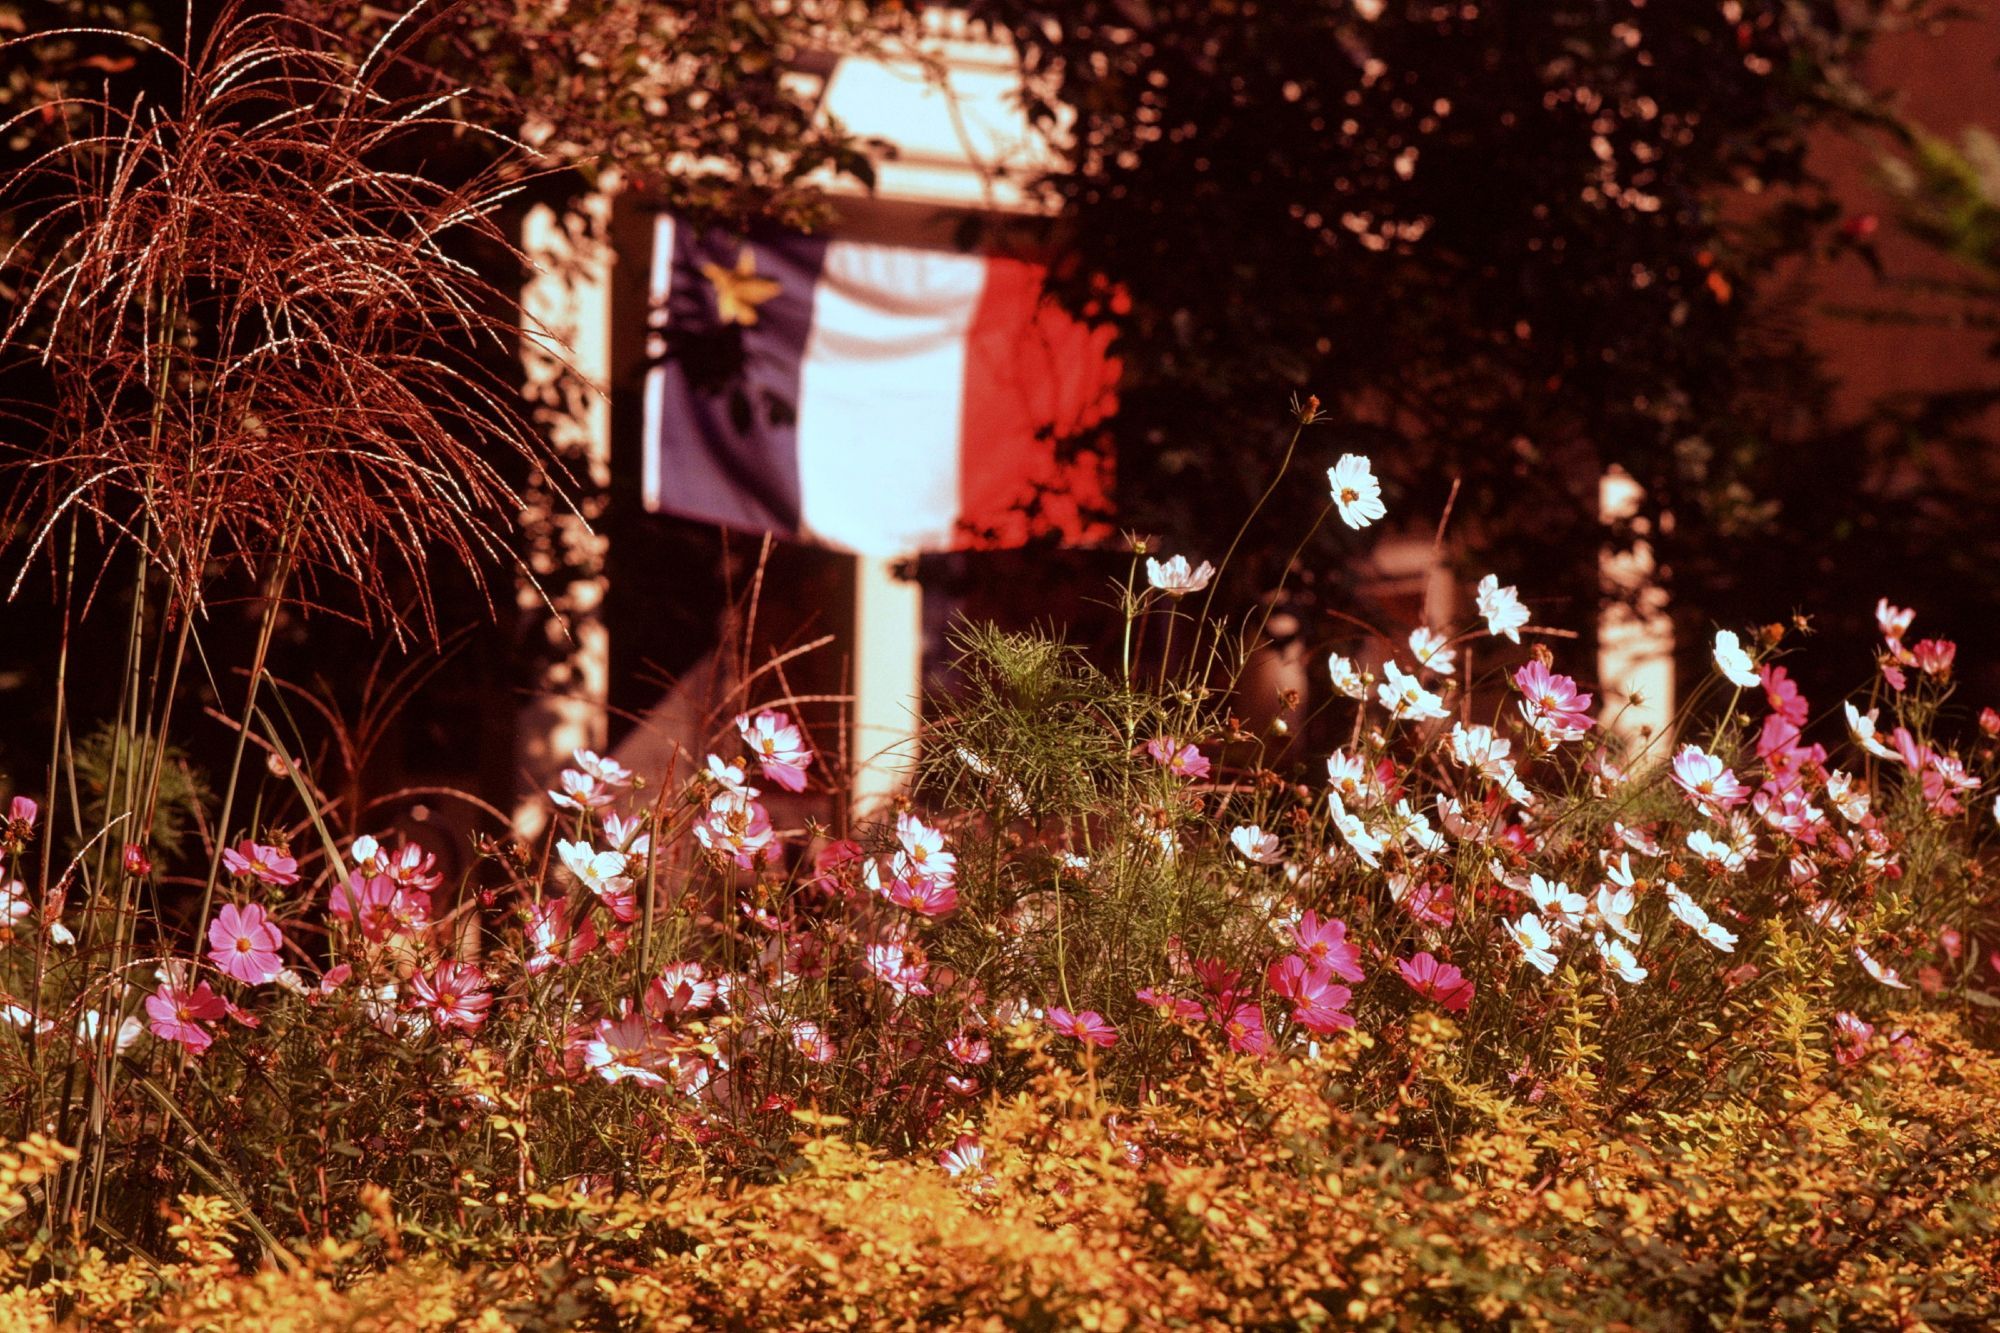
(1033, 376)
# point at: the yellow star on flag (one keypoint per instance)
(739, 291)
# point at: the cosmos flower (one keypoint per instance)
(1552, 704)
(1437, 981)
(244, 944)
(268, 864)
(1325, 945)
(1087, 1026)
(456, 995)
(1893, 621)
(1356, 492)
(1246, 1032)
(1562, 906)
(1433, 651)
(1346, 678)
(1861, 726)
(1184, 761)
(1733, 662)
(735, 827)
(1175, 579)
(778, 746)
(1404, 696)
(1707, 780)
(1534, 941)
(1502, 609)
(1256, 846)
(1620, 959)
(175, 1012)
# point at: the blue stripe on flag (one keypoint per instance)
(724, 430)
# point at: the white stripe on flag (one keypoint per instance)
(661, 283)
(880, 395)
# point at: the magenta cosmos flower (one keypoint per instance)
(265, 863)
(176, 1013)
(455, 994)
(1325, 943)
(244, 943)
(1183, 761)
(1552, 704)
(779, 747)
(1437, 981)
(1087, 1026)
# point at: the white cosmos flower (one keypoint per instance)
(600, 872)
(1886, 975)
(1404, 696)
(1621, 874)
(1620, 959)
(1346, 678)
(1844, 796)
(1718, 936)
(1861, 726)
(1355, 833)
(1458, 822)
(1175, 579)
(1715, 851)
(1614, 910)
(1356, 493)
(1555, 900)
(1502, 608)
(1409, 825)
(1534, 940)
(1432, 650)
(1685, 909)
(1348, 775)
(1257, 845)
(1733, 662)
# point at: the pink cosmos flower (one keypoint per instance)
(779, 747)
(1429, 901)
(1245, 1026)
(244, 944)
(1183, 761)
(901, 970)
(926, 897)
(415, 869)
(626, 1048)
(137, 863)
(963, 1157)
(1707, 780)
(1552, 704)
(378, 907)
(176, 1013)
(1326, 944)
(679, 989)
(1781, 692)
(1323, 1012)
(922, 851)
(1893, 621)
(1851, 1037)
(1437, 981)
(455, 993)
(1087, 1026)
(24, 810)
(1934, 657)
(809, 1041)
(265, 863)
(554, 943)
(969, 1048)
(736, 827)
(1174, 1006)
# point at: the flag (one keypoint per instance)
(875, 398)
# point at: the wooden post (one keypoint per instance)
(888, 679)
